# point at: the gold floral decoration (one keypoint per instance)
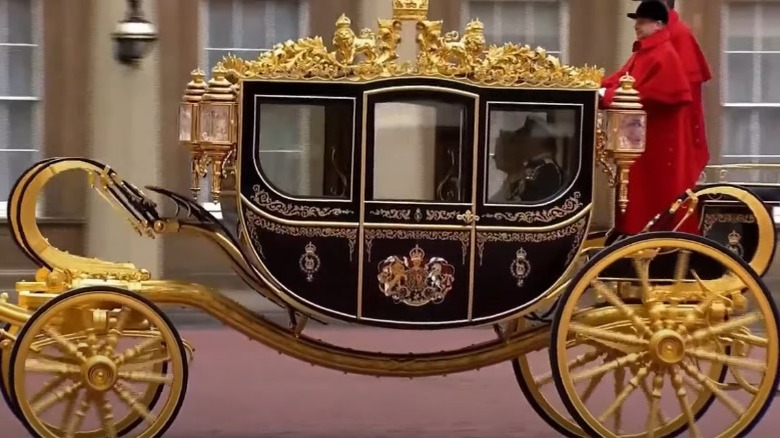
(464, 237)
(254, 223)
(711, 219)
(368, 55)
(264, 200)
(575, 229)
(571, 205)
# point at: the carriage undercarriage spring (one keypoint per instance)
(500, 236)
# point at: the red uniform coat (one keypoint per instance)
(663, 172)
(698, 72)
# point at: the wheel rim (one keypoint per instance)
(100, 376)
(662, 351)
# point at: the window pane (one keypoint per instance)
(769, 119)
(546, 25)
(740, 77)
(738, 138)
(306, 149)
(20, 21)
(485, 12)
(420, 152)
(12, 164)
(770, 78)
(20, 70)
(17, 125)
(253, 25)
(741, 26)
(285, 22)
(770, 16)
(533, 153)
(220, 24)
(514, 16)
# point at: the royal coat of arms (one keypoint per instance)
(413, 281)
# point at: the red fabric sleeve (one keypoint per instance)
(661, 82)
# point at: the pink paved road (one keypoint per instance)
(239, 389)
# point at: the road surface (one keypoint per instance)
(239, 389)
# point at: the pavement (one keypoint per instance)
(239, 389)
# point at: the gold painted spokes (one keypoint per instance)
(685, 300)
(537, 383)
(124, 373)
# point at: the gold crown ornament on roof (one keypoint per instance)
(410, 9)
(370, 55)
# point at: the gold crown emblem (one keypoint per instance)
(410, 9)
(734, 238)
(475, 26)
(310, 248)
(417, 254)
(343, 22)
(521, 254)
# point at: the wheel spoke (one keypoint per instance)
(621, 398)
(578, 362)
(77, 419)
(55, 397)
(106, 416)
(620, 384)
(607, 335)
(143, 364)
(655, 405)
(138, 350)
(614, 300)
(749, 339)
(115, 333)
(680, 269)
(48, 387)
(36, 366)
(607, 367)
(146, 377)
(724, 327)
(682, 397)
(732, 361)
(131, 400)
(65, 345)
(733, 405)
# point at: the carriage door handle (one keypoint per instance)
(468, 217)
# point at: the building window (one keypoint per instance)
(538, 23)
(751, 85)
(247, 28)
(21, 86)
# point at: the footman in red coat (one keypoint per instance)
(698, 72)
(663, 172)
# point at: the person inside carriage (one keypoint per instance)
(667, 168)
(527, 157)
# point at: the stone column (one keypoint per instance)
(125, 134)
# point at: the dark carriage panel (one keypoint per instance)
(315, 265)
(416, 276)
(514, 269)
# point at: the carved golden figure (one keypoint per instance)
(645, 313)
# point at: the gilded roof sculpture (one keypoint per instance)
(368, 55)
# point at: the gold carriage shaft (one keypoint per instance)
(521, 258)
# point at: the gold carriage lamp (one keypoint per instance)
(189, 116)
(625, 125)
(218, 127)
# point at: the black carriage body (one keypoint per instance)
(358, 251)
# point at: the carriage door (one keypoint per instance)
(417, 220)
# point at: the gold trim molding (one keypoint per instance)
(577, 229)
(718, 218)
(464, 237)
(263, 199)
(571, 205)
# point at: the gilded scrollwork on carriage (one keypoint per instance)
(372, 234)
(576, 229)
(570, 206)
(263, 199)
(710, 219)
(256, 223)
(310, 262)
(392, 214)
(415, 281)
(440, 215)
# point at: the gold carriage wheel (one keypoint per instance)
(555, 415)
(89, 371)
(148, 398)
(664, 350)
(5, 365)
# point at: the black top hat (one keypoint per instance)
(651, 10)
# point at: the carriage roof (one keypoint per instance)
(369, 55)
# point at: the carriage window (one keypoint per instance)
(306, 150)
(534, 153)
(421, 152)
